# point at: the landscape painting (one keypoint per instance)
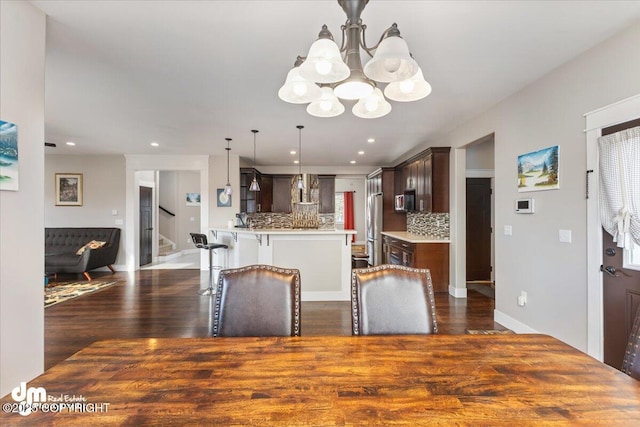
(539, 170)
(193, 199)
(68, 189)
(8, 156)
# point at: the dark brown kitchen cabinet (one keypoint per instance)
(327, 193)
(427, 174)
(282, 193)
(248, 199)
(266, 194)
(434, 256)
(437, 170)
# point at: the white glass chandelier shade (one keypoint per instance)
(327, 106)
(353, 89)
(297, 89)
(411, 89)
(324, 63)
(372, 107)
(391, 62)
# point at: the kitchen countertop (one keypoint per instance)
(315, 231)
(415, 238)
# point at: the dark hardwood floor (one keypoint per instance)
(166, 304)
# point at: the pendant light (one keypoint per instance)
(254, 184)
(227, 188)
(300, 183)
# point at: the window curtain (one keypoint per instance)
(619, 162)
(349, 221)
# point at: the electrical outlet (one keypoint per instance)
(522, 299)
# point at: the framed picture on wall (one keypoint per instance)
(224, 199)
(68, 189)
(8, 156)
(193, 199)
(539, 170)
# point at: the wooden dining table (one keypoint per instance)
(510, 380)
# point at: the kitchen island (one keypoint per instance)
(323, 256)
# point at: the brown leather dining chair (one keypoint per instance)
(392, 299)
(257, 301)
(631, 361)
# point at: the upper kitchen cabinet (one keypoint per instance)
(282, 193)
(427, 174)
(255, 201)
(248, 199)
(436, 173)
(327, 193)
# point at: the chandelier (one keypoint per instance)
(329, 73)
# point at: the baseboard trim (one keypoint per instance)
(457, 292)
(513, 324)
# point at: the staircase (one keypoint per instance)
(166, 249)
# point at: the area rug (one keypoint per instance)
(64, 292)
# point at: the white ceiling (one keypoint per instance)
(187, 74)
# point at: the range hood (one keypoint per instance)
(305, 201)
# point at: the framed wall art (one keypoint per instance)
(224, 199)
(539, 170)
(193, 199)
(8, 156)
(68, 189)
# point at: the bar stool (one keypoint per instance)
(200, 240)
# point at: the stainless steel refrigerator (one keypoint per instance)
(374, 228)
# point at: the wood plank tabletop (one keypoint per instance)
(335, 380)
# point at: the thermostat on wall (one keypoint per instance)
(524, 206)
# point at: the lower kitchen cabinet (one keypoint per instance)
(434, 256)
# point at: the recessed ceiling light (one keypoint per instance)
(370, 140)
(352, 162)
(296, 161)
(361, 152)
(292, 152)
(154, 144)
(71, 143)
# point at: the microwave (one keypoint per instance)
(406, 202)
(399, 205)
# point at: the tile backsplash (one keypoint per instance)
(428, 224)
(285, 220)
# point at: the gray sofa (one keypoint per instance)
(61, 245)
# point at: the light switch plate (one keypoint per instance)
(119, 221)
(508, 230)
(564, 236)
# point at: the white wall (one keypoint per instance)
(22, 63)
(103, 193)
(167, 185)
(548, 112)
(187, 217)
(356, 184)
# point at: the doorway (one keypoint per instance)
(146, 225)
(479, 245)
(596, 121)
(620, 288)
(479, 230)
